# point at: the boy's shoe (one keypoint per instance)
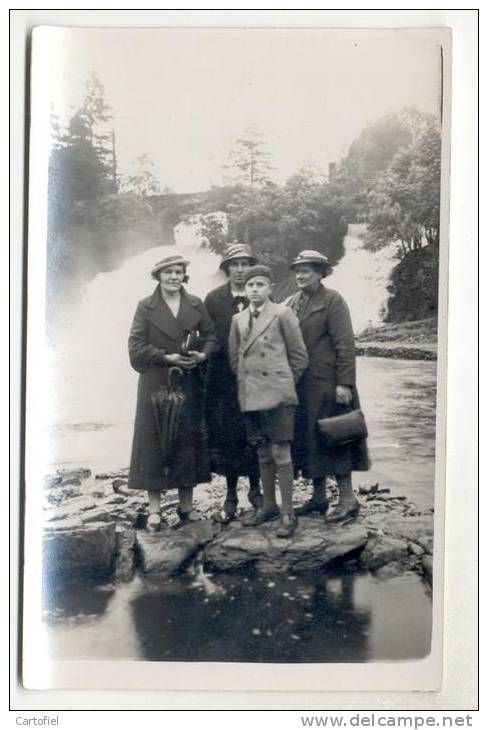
(259, 517)
(287, 526)
(345, 512)
(311, 506)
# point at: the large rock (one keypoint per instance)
(313, 546)
(169, 550)
(383, 549)
(79, 551)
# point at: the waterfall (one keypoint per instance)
(362, 277)
(93, 380)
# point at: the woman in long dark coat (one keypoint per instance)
(160, 323)
(327, 389)
(230, 452)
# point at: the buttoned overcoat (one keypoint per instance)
(229, 449)
(327, 331)
(268, 356)
(156, 332)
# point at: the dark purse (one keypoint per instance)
(344, 429)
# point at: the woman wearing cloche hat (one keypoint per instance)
(230, 453)
(327, 389)
(162, 322)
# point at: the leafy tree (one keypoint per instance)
(404, 203)
(249, 161)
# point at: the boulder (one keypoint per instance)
(312, 546)
(418, 528)
(99, 514)
(383, 549)
(79, 551)
(73, 507)
(169, 550)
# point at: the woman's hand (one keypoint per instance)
(196, 357)
(181, 361)
(343, 394)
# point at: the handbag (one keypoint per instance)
(344, 429)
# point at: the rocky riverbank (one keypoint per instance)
(95, 528)
(415, 340)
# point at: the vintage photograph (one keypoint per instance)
(232, 453)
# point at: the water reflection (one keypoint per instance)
(245, 618)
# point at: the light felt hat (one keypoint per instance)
(175, 260)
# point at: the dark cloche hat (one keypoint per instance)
(311, 257)
(258, 270)
(236, 250)
(174, 260)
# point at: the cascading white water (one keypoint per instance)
(362, 277)
(94, 382)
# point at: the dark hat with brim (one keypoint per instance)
(258, 270)
(311, 257)
(175, 260)
(236, 250)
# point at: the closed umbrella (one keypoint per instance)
(167, 405)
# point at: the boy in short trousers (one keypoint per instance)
(268, 356)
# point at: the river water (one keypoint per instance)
(284, 618)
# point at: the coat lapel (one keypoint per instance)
(260, 324)
(317, 302)
(162, 317)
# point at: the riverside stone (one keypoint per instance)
(169, 550)
(79, 551)
(312, 546)
(383, 549)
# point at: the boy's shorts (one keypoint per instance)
(270, 427)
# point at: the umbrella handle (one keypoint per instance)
(175, 370)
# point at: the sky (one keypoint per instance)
(183, 96)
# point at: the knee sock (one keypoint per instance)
(285, 478)
(267, 470)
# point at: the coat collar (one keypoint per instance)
(267, 315)
(162, 317)
(315, 303)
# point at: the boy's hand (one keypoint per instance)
(343, 394)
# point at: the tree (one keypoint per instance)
(248, 161)
(404, 203)
(142, 180)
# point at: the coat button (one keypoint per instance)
(263, 354)
(265, 373)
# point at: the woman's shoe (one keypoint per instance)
(287, 526)
(154, 522)
(187, 517)
(259, 517)
(343, 513)
(311, 506)
(224, 516)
